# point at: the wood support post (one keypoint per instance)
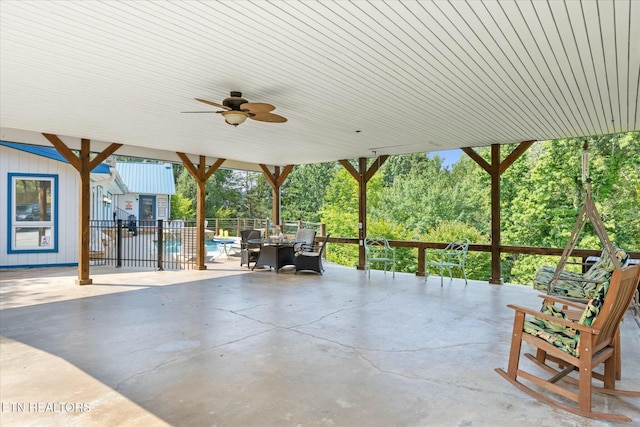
(276, 179)
(201, 174)
(496, 274)
(495, 169)
(84, 165)
(362, 176)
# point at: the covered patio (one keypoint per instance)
(230, 347)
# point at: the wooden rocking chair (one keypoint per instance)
(575, 346)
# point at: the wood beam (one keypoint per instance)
(200, 174)
(377, 163)
(64, 150)
(496, 274)
(515, 155)
(84, 165)
(362, 175)
(495, 169)
(85, 214)
(275, 199)
(276, 179)
(349, 167)
(362, 210)
(477, 158)
(73, 159)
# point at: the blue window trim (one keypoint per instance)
(54, 211)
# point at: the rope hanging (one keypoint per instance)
(588, 212)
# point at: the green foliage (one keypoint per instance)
(303, 191)
(412, 197)
(545, 194)
(426, 194)
(181, 207)
(340, 214)
(228, 193)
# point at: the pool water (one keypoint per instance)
(173, 246)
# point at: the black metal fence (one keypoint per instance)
(154, 244)
(167, 245)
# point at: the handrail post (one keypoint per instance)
(119, 244)
(160, 248)
(421, 261)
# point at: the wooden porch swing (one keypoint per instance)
(582, 287)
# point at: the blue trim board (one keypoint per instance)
(54, 211)
(50, 153)
(68, 264)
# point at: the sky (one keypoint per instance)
(450, 156)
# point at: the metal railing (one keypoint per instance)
(151, 244)
(167, 244)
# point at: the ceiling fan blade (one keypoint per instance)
(201, 111)
(268, 117)
(257, 107)
(215, 104)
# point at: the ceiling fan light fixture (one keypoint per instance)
(235, 118)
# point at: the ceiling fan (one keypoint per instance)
(236, 109)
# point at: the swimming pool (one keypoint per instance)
(173, 246)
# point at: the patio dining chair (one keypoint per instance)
(454, 255)
(311, 260)
(378, 250)
(574, 345)
(249, 251)
(306, 238)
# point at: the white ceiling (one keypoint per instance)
(354, 78)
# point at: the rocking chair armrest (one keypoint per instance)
(569, 303)
(568, 323)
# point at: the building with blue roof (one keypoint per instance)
(41, 200)
(150, 187)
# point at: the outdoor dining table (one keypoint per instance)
(275, 252)
(224, 244)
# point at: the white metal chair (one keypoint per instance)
(378, 250)
(453, 256)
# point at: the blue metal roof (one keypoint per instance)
(50, 153)
(147, 178)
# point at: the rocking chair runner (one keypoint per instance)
(580, 346)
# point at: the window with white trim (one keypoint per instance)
(32, 216)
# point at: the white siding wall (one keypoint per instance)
(15, 161)
(129, 203)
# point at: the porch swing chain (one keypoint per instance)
(585, 163)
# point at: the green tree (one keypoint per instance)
(340, 214)
(181, 207)
(303, 192)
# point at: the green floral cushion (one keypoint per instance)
(571, 284)
(566, 338)
(605, 265)
(563, 337)
(593, 307)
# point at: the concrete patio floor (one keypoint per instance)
(231, 347)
